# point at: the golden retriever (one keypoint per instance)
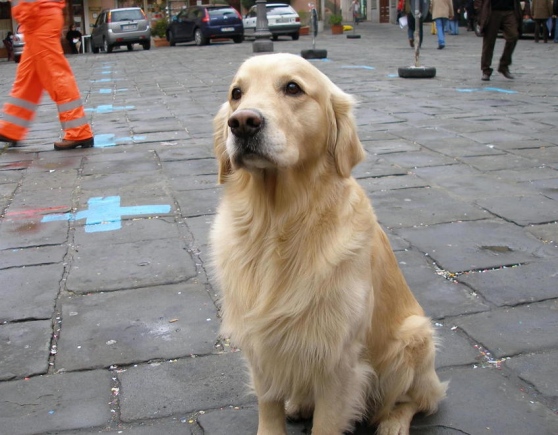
(311, 290)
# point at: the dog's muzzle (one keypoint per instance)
(246, 123)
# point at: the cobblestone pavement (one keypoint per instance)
(108, 319)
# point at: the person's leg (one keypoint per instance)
(411, 29)
(19, 109)
(556, 29)
(488, 42)
(511, 35)
(545, 31)
(58, 79)
(440, 24)
(537, 29)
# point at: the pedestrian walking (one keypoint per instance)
(541, 11)
(442, 11)
(453, 23)
(355, 8)
(411, 7)
(495, 15)
(44, 67)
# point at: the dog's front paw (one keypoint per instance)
(392, 426)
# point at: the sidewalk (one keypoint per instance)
(108, 319)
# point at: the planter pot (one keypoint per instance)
(337, 29)
(305, 30)
(160, 42)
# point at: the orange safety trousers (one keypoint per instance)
(44, 67)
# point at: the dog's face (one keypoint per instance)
(282, 112)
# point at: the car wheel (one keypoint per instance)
(130, 47)
(275, 37)
(295, 36)
(17, 59)
(171, 39)
(238, 39)
(417, 72)
(146, 45)
(94, 49)
(107, 48)
(199, 38)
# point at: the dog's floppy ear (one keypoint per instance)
(345, 145)
(220, 131)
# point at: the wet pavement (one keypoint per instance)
(108, 319)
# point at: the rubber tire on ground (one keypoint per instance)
(353, 36)
(314, 54)
(107, 47)
(17, 59)
(170, 38)
(94, 49)
(414, 72)
(146, 45)
(199, 39)
(275, 37)
(295, 36)
(238, 39)
(130, 47)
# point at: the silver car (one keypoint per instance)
(120, 27)
(282, 19)
(18, 43)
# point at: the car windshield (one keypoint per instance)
(128, 15)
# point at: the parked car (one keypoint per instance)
(282, 19)
(120, 27)
(201, 24)
(18, 43)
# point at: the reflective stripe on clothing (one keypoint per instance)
(22, 103)
(70, 105)
(78, 122)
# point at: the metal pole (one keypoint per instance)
(262, 43)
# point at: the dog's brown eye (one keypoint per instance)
(293, 89)
(236, 94)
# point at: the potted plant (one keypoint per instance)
(159, 32)
(336, 21)
(304, 22)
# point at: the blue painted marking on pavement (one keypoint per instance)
(393, 75)
(104, 80)
(487, 89)
(110, 140)
(320, 60)
(105, 91)
(105, 214)
(358, 67)
(109, 108)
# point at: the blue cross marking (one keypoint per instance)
(487, 89)
(358, 67)
(110, 140)
(109, 108)
(105, 214)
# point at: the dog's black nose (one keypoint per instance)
(246, 123)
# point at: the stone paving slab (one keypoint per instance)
(476, 245)
(29, 292)
(523, 210)
(405, 208)
(183, 387)
(487, 401)
(45, 404)
(34, 256)
(30, 232)
(136, 325)
(515, 285)
(25, 347)
(438, 296)
(95, 269)
(538, 370)
(511, 331)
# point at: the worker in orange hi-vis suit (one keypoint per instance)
(44, 67)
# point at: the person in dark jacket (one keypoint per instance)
(495, 15)
(9, 44)
(74, 39)
(470, 9)
(555, 13)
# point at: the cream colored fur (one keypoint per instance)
(311, 290)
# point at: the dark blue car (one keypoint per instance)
(201, 24)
